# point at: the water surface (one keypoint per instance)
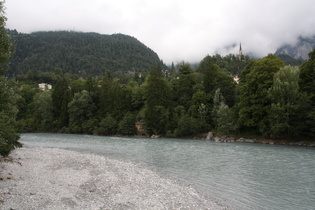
(239, 175)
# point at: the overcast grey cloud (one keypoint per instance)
(175, 29)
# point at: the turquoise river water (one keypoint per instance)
(239, 175)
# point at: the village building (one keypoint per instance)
(44, 86)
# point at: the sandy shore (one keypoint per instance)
(51, 178)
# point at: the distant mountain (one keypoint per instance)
(288, 60)
(300, 50)
(79, 53)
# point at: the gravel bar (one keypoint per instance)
(52, 178)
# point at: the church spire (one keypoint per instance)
(240, 53)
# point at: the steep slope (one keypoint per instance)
(79, 53)
(300, 50)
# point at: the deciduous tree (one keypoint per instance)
(254, 102)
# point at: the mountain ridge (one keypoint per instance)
(299, 50)
(79, 53)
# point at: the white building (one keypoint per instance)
(44, 86)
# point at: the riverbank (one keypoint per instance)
(51, 178)
(210, 136)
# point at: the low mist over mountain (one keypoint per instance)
(79, 53)
(300, 50)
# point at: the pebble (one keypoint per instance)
(61, 179)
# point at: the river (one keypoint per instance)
(239, 175)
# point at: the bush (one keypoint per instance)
(108, 126)
(8, 136)
(187, 126)
(127, 125)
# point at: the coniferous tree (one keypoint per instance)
(61, 96)
(214, 78)
(184, 85)
(157, 94)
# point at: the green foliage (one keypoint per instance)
(269, 100)
(79, 53)
(8, 135)
(287, 108)
(227, 86)
(25, 101)
(81, 110)
(137, 98)
(223, 116)
(187, 126)
(254, 102)
(114, 98)
(214, 78)
(183, 87)
(307, 77)
(127, 124)
(230, 64)
(61, 96)
(288, 60)
(5, 44)
(307, 85)
(8, 112)
(108, 126)
(8, 95)
(158, 100)
(43, 110)
(210, 70)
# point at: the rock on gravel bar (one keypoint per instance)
(51, 178)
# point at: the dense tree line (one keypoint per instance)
(271, 100)
(78, 53)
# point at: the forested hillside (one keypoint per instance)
(78, 53)
(271, 100)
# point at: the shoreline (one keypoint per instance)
(52, 178)
(210, 136)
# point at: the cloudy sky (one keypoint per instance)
(175, 29)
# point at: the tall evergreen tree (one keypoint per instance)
(214, 78)
(184, 85)
(61, 96)
(157, 94)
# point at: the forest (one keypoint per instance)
(78, 53)
(270, 99)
